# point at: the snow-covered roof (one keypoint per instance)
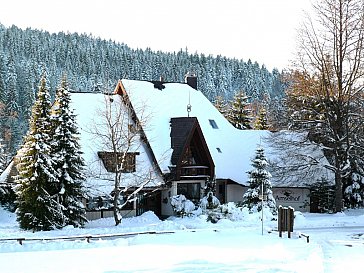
(89, 109)
(230, 148)
(5, 174)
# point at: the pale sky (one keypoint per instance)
(262, 30)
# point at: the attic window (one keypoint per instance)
(108, 159)
(219, 150)
(158, 85)
(213, 124)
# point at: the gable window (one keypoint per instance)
(192, 191)
(213, 124)
(110, 163)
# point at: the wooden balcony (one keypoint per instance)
(195, 172)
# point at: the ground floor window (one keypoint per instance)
(192, 191)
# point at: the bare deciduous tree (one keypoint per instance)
(120, 132)
(327, 88)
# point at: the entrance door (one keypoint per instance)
(149, 201)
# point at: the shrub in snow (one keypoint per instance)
(209, 202)
(354, 191)
(7, 198)
(182, 206)
(259, 176)
(323, 193)
(228, 211)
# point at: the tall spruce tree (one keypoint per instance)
(2, 157)
(221, 105)
(37, 187)
(240, 113)
(261, 122)
(68, 158)
(259, 177)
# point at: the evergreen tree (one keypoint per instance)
(322, 196)
(261, 122)
(67, 156)
(354, 190)
(90, 61)
(221, 105)
(2, 79)
(240, 113)
(2, 157)
(259, 177)
(37, 179)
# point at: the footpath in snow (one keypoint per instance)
(336, 245)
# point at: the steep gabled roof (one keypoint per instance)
(182, 130)
(186, 133)
(231, 149)
(89, 108)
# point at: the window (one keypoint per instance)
(213, 124)
(192, 191)
(108, 159)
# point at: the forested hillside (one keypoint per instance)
(94, 65)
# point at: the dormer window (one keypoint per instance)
(110, 164)
(213, 124)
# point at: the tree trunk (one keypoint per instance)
(116, 199)
(338, 192)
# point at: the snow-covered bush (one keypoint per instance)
(209, 202)
(182, 206)
(232, 211)
(322, 193)
(228, 211)
(354, 191)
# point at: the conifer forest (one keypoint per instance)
(95, 65)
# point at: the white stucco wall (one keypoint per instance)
(234, 193)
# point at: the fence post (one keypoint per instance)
(280, 220)
(285, 220)
(289, 221)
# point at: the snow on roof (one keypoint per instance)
(5, 174)
(88, 108)
(230, 148)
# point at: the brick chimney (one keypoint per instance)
(191, 80)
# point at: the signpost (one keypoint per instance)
(262, 197)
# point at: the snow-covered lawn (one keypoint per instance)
(336, 245)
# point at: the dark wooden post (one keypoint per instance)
(289, 222)
(280, 220)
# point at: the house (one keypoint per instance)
(183, 142)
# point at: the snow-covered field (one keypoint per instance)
(336, 245)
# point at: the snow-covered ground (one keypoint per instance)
(336, 245)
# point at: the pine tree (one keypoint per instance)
(259, 176)
(37, 178)
(221, 105)
(261, 123)
(68, 158)
(354, 190)
(239, 115)
(2, 157)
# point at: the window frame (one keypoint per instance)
(213, 124)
